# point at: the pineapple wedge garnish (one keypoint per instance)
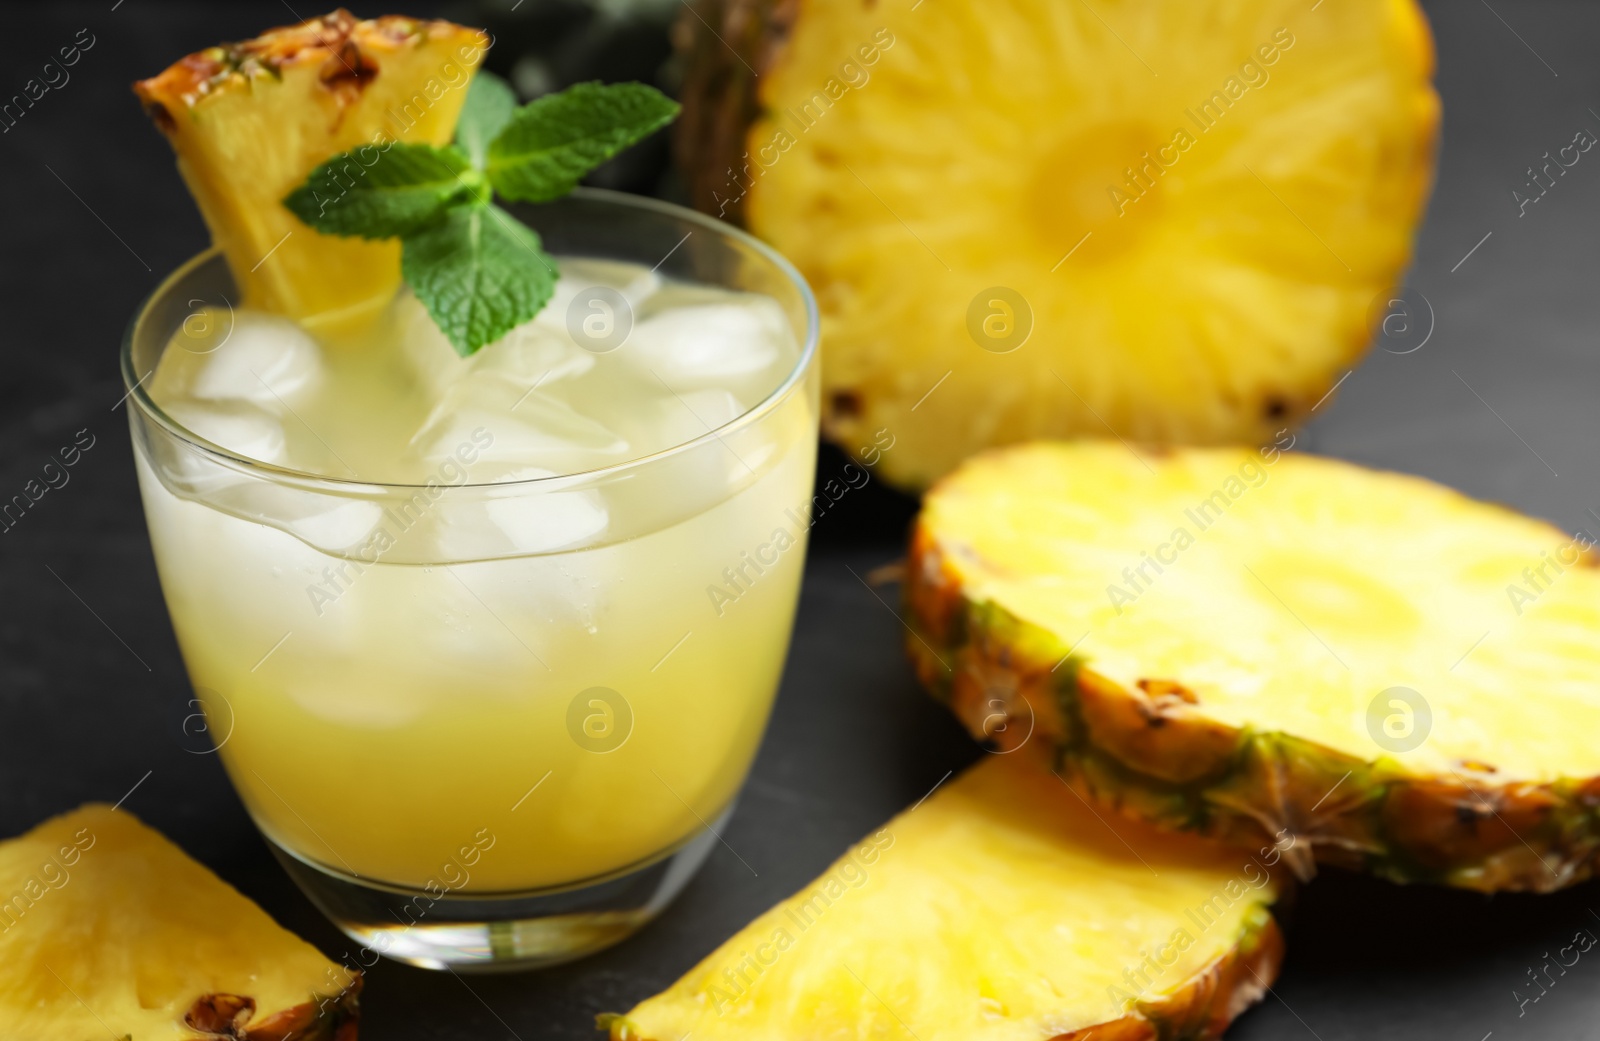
(250, 120)
(1005, 908)
(1244, 641)
(108, 929)
(1172, 219)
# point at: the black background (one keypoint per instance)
(1499, 402)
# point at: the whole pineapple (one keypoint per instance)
(1161, 219)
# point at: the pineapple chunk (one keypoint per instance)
(109, 928)
(1404, 677)
(250, 120)
(1002, 908)
(1188, 208)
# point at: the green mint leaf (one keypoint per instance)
(488, 108)
(553, 141)
(480, 272)
(378, 193)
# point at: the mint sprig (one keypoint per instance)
(471, 270)
(489, 107)
(479, 271)
(401, 190)
(551, 142)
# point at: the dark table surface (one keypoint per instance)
(1499, 401)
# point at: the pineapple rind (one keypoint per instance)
(1000, 907)
(249, 121)
(1011, 682)
(1198, 1009)
(126, 933)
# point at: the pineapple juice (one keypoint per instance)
(494, 652)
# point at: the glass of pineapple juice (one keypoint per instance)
(488, 722)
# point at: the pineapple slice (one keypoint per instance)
(1169, 219)
(1003, 907)
(1246, 640)
(250, 120)
(109, 929)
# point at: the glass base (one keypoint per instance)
(500, 932)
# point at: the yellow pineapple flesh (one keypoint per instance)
(1403, 676)
(108, 928)
(1167, 219)
(250, 120)
(1004, 908)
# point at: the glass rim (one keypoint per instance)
(137, 393)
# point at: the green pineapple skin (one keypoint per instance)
(1012, 683)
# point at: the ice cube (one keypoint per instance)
(524, 520)
(673, 419)
(523, 426)
(241, 427)
(532, 353)
(324, 521)
(320, 519)
(710, 345)
(426, 355)
(552, 521)
(241, 356)
(634, 282)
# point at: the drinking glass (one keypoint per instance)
(491, 725)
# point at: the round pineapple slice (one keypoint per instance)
(1253, 640)
(250, 120)
(1002, 907)
(1163, 219)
